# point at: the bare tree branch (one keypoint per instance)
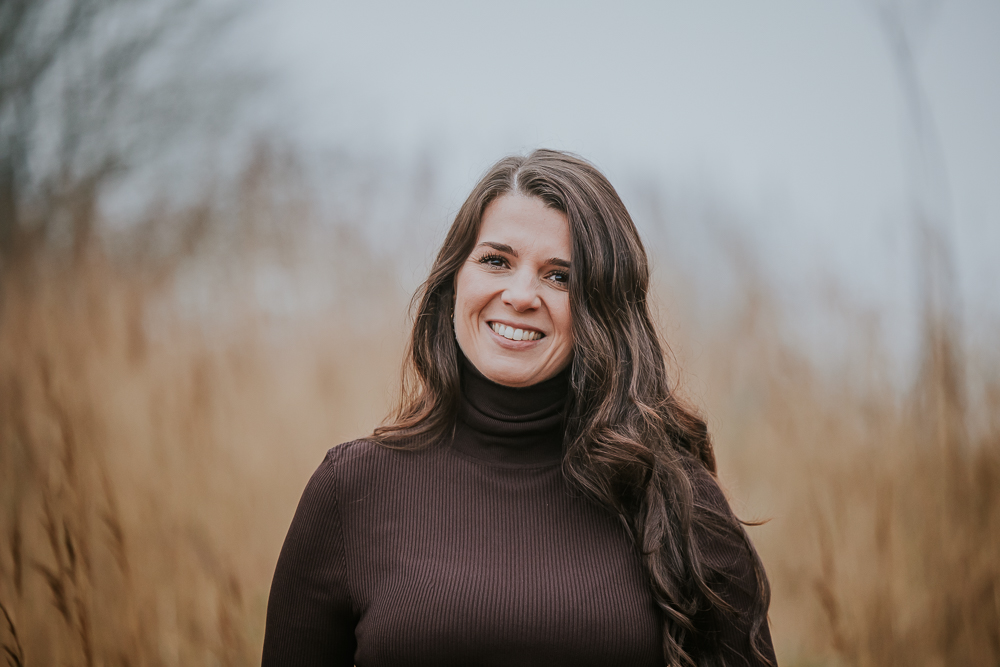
(77, 108)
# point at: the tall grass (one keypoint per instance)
(152, 453)
(884, 541)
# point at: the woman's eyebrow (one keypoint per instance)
(501, 247)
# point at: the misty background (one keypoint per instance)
(786, 124)
(213, 214)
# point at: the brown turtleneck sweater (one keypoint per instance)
(473, 551)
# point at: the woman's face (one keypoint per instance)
(512, 316)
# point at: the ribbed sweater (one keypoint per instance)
(473, 551)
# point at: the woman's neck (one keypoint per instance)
(516, 426)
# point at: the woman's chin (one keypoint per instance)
(516, 374)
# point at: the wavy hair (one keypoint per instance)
(631, 444)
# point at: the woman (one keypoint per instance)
(541, 496)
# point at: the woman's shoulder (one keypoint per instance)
(732, 567)
(352, 453)
(358, 466)
(365, 452)
(709, 494)
(722, 541)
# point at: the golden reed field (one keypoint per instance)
(159, 418)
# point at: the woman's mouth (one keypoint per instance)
(511, 333)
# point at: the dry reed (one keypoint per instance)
(150, 461)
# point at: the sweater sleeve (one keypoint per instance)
(310, 618)
(728, 558)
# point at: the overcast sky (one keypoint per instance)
(790, 111)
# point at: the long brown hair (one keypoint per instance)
(631, 444)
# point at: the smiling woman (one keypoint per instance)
(512, 313)
(541, 496)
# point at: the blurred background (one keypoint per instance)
(213, 214)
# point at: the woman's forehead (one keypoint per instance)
(526, 224)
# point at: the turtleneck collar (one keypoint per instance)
(511, 426)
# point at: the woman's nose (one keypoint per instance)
(522, 293)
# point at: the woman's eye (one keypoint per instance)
(559, 277)
(493, 260)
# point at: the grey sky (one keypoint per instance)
(788, 110)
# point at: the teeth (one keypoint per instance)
(515, 334)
